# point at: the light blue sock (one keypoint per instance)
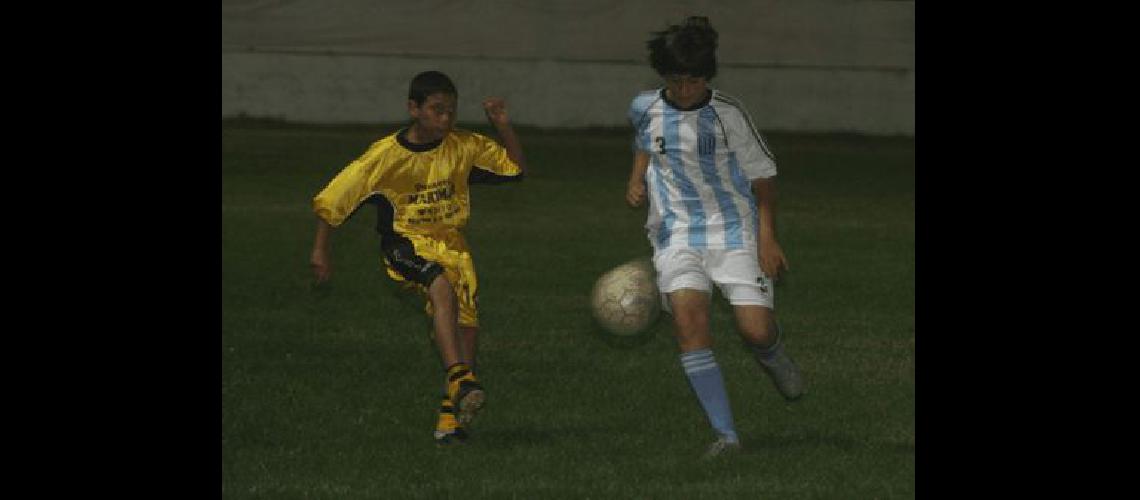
(707, 381)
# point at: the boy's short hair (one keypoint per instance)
(428, 83)
(688, 49)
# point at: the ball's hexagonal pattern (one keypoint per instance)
(625, 300)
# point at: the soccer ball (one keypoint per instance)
(625, 300)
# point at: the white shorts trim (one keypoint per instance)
(736, 272)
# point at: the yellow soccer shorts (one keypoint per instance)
(449, 251)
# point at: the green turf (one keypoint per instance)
(331, 392)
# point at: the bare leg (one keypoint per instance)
(691, 318)
(446, 314)
(468, 338)
(756, 325)
(462, 397)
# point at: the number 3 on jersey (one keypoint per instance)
(660, 143)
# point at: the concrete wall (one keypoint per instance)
(798, 65)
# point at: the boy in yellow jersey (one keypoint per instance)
(418, 179)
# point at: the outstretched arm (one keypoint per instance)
(635, 191)
(496, 109)
(772, 258)
(321, 258)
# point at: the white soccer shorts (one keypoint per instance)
(736, 272)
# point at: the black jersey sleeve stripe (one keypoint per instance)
(383, 206)
(480, 175)
(720, 122)
(385, 214)
(731, 101)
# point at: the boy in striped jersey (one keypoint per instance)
(709, 180)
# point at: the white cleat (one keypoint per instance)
(470, 402)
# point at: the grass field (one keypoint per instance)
(331, 393)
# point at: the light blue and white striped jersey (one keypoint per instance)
(701, 164)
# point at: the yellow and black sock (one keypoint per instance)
(457, 375)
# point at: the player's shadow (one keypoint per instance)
(529, 437)
(812, 440)
(628, 341)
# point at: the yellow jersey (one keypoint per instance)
(425, 184)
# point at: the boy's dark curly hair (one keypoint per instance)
(688, 49)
